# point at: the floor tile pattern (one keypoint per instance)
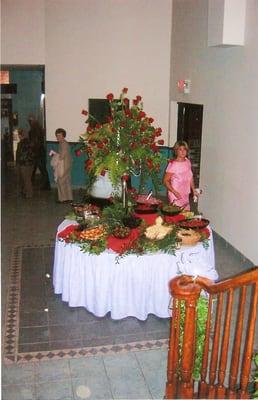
(39, 326)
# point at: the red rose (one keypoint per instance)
(84, 112)
(98, 126)
(142, 128)
(126, 100)
(138, 98)
(134, 133)
(125, 177)
(89, 129)
(125, 90)
(133, 146)
(154, 148)
(127, 112)
(161, 142)
(109, 119)
(141, 114)
(100, 145)
(103, 173)
(151, 120)
(88, 164)
(110, 97)
(105, 141)
(158, 132)
(78, 152)
(135, 102)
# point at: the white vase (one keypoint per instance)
(103, 188)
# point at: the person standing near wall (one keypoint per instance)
(178, 177)
(36, 137)
(24, 163)
(64, 184)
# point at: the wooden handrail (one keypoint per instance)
(226, 359)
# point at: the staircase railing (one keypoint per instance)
(228, 340)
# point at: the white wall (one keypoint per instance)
(91, 48)
(225, 81)
(96, 47)
(22, 32)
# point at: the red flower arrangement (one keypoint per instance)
(126, 144)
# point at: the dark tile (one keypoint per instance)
(33, 335)
(36, 318)
(27, 348)
(66, 317)
(129, 338)
(153, 323)
(85, 316)
(95, 329)
(65, 344)
(29, 305)
(97, 341)
(64, 332)
(128, 325)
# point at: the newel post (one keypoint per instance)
(180, 366)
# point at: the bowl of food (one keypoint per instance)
(171, 209)
(145, 209)
(131, 221)
(194, 223)
(121, 232)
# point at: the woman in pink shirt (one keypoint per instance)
(178, 177)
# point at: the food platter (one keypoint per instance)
(145, 209)
(171, 209)
(194, 223)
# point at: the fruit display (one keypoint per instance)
(194, 223)
(93, 233)
(157, 231)
(121, 232)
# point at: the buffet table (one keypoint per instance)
(135, 286)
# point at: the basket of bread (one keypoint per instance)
(188, 237)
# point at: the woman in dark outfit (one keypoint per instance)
(24, 163)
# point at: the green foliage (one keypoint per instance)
(112, 215)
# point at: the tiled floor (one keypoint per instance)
(134, 375)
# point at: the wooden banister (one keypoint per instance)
(229, 337)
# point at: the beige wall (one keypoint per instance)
(91, 48)
(97, 47)
(22, 32)
(225, 81)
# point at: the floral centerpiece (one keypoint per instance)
(126, 144)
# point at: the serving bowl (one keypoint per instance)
(194, 223)
(171, 209)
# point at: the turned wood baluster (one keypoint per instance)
(215, 348)
(247, 356)
(237, 346)
(221, 389)
(171, 386)
(182, 288)
(203, 386)
(186, 383)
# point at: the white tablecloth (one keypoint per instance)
(136, 286)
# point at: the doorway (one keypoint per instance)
(189, 129)
(28, 98)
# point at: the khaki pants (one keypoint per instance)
(25, 173)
